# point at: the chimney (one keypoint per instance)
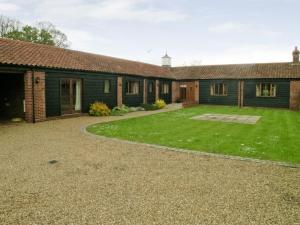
(166, 61)
(296, 55)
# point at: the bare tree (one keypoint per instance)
(59, 38)
(8, 25)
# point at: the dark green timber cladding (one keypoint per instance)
(230, 99)
(133, 99)
(151, 96)
(282, 93)
(166, 97)
(92, 90)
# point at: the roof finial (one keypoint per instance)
(296, 55)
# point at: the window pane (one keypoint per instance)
(132, 87)
(221, 89)
(218, 89)
(150, 87)
(266, 90)
(166, 88)
(107, 86)
(127, 87)
(77, 94)
(135, 88)
(258, 93)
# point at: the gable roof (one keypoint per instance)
(37, 55)
(239, 71)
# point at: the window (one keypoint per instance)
(132, 87)
(165, 88)
(150, 87)
(266, 90)
(106, 86)
(218, 89)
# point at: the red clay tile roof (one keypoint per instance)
(239, 71)
(37, 55)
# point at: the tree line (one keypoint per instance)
(42, 32)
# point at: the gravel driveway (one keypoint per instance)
(103, 181)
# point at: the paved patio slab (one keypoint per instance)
(246, 119)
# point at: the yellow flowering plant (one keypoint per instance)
(99, 109)
(160, 103)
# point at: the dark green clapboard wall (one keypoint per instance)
(151, 96)
(230, 99)
(166, 97)
(92, 90)
(133, 99)
(282, 93)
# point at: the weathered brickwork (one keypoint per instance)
(197, 89)
(34, 88)
(240, 93)
(145, 91)
(120, 91)
(295, 94)
(175, 91)
(156, 89)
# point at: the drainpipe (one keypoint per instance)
(33, 100)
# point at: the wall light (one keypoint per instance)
(37, 80)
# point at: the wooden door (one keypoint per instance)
(191, 92)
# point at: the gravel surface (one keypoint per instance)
(53, 173)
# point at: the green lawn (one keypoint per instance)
(276, 136)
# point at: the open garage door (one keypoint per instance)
(11, 96)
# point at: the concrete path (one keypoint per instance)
(103, 181)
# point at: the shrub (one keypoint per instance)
(134, 109)
(149, 107)
(120, 110)
(160, 103)
(99, 109)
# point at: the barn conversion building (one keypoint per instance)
(40, 81)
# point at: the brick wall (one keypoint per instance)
(295, 95)
(34, 88)
(145, 91)
(197, 89)
(240, 93)
(120, 91)
(156, 89)
(175, 91)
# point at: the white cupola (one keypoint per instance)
(166, 60)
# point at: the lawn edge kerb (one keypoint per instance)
(84, 129)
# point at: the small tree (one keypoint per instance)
(43, 33)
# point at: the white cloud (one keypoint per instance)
(133, 10)
(226, 27)
(243, 29)
(244, 54)
(84, 41)
(6, 7)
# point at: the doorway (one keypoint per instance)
(187, 92)
(11, 96)
(70, 96)
(182, 93)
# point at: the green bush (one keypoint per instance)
(99, 109)
(120, 110)
(149, 107)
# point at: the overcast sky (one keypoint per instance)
(192, 31)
